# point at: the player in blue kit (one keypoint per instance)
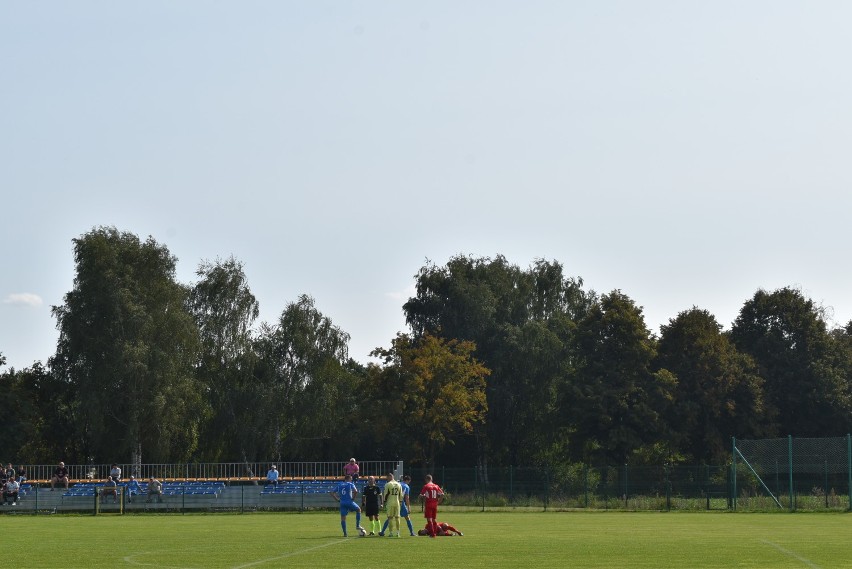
(405, 511)
(345, 493)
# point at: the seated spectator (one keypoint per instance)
(10, 491)
(22, 474)
(132, 489)
(352, 469)
(272, 476)
(60, 474)
(110, 488)
(155, 488)
(115, 473)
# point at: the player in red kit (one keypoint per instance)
(431, 494)
(443, 529)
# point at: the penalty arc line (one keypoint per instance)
(792, 554)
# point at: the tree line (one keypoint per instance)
(501, 365)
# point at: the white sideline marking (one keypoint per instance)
(792, 554)
(131, 559)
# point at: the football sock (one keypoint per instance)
(385, 527)
(343, 525)
(358, 519)
(410, 527)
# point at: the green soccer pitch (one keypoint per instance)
(493, 540)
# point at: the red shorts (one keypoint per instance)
(430, 511)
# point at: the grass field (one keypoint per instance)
(493, 540)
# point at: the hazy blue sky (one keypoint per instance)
(687, 153)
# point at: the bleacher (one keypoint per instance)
(195, 488)
(314, 486)
(225, 490)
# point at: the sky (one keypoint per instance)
(686, 153)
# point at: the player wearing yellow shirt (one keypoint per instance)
(392, 496)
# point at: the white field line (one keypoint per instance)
(291, 554)
(792, 554)
(131, 559)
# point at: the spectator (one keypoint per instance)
(155, 488)
(10, 471)
(352, 469)
(115, 473)
(110, 488)
(272, 476)
(10, 491)
(60, 474)
(132, 489)
(22, 474)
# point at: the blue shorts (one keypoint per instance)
(346, 507)
(403, 511)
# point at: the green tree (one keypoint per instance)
(521, 322)
(127, 346)
(34, 429)
(798, 358)
(225, 309)
(614, 403)
(311, 388)
(718, 394)
(434, 388)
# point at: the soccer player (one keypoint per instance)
(392, 496)
(444, 529)
(370, 501)
(405, 507)
(431, 494)
(345, 493)
(447, 529)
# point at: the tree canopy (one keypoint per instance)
(501, 365)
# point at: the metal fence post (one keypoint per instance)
(849, 469)
(668, 490)
(790, 465)
(734, 473)
(546, 488)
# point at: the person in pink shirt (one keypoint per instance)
(352, 469)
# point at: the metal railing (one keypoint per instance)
(225, 471)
